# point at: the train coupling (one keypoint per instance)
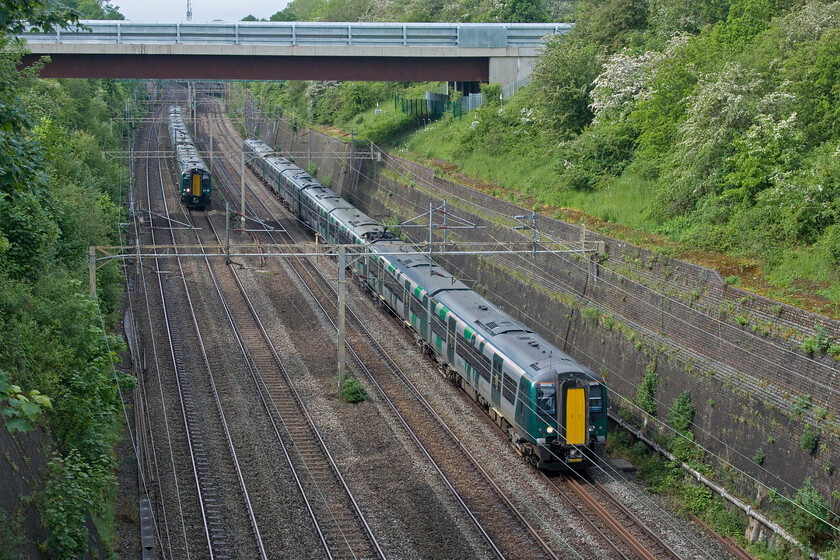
(574, 455)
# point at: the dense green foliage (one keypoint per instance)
(712, 123)
(58, 196)
(424, 10)
(350, 105)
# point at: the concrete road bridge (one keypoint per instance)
(479, 52)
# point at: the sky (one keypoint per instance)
(203, 10)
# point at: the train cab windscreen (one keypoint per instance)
(546, 397)
(596, 399)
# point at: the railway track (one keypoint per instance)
(339, 534)
(472, 487)
(214, 507)
(637, 539)
(334, 511)
(167, 490)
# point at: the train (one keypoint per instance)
(553, 409)
(195, 184)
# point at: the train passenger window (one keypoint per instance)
(546, 394)
(417, 308)
(392, 284)
(508, 388)
(596, 400)
(473, 357)
(438, 327)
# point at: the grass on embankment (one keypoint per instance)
(516, 163)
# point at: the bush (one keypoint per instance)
(724, 521)
(696, 499)
(563, 78)
(596, 156)
(491, 94)
(830, 241)
(353, 391)
(809, 521)
(71, 491)
(808, 440)
(819, 343)
(800, 404)
(681, 414)
(645, 396)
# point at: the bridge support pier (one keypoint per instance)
(506, 70)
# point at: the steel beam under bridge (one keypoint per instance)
(502, 53)
(265, 67)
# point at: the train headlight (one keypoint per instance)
(549, 430)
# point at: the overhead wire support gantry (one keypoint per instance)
(110, 253)
(460, 223)
(532, 227)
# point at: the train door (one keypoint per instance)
(364, 266)
(524, 402)
(424, 318)
(496, 379)
(450, 342)
(406, 302)
(196, 184)
(378, 275)
(574, 417)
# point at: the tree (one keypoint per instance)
(519, 11)
(611, 23)
(43, 14)
(668, 17)
(285, 15)
(563, 78)
(95, 9)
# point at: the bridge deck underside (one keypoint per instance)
(234, 67)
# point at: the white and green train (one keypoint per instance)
(553, 408)
(194, 181)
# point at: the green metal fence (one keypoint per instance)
(434, 106)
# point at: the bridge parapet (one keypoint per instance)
(463, 35)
